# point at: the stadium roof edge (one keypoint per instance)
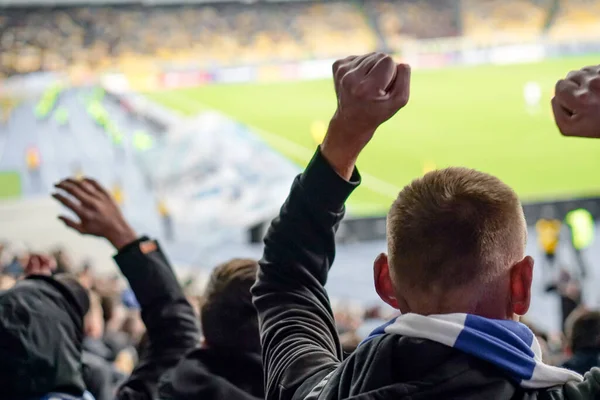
(66, 3)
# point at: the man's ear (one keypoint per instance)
(383, 281)
(521, 275)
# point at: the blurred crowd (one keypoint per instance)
(57, 39)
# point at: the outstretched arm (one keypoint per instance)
(169, 318)
(298, 334)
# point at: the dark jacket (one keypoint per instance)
(41, 330)
(171, 325)
(41, 334)
(215, 375)
(300, 344)
(583, 361)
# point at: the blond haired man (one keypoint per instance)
(456, 269)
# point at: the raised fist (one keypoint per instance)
(576, 103)
(370, 89)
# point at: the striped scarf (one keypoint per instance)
(509, 345)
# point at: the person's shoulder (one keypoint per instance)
(588, 389)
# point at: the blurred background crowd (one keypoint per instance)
(100, 37)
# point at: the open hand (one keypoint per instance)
(370, 89)
(98, 213)
(576, 103)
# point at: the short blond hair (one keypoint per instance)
(452, 227)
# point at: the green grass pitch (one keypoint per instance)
(469, 116)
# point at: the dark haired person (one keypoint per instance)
(172, 328)
(228, 364)
(583, 335)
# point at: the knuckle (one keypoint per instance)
(336, 65)
(341, 72)
(561, 86)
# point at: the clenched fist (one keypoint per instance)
(370, 89)
(98, 213)
(576, 103)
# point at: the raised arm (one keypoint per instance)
(300, 344)
(170, 321)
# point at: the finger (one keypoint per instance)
(72, 224)
(340, 67)
(343, 68)
(338, 63)
(567, 122)
(576, 76)
(33, 263)
(594, 69)
(594, 84)
(564, 93)
(399, 91)
(96, 186)
(76, 190)
(368, 62)
(561, 116)
(382, 74)
(70, 204)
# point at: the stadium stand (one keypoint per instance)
(576, 19)
(494, 19)
(34, 39)
(131, 37)
(399, 21)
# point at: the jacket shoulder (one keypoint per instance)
(588, 389)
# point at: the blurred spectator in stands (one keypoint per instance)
(569, 290)
(228, 364)
(548, 235)
(582, 227)
(166, 219)
(583, 337)
(63, 260)
(118, 194)
(33, 160)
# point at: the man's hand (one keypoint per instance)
(370, 89)
(40, 264)
(576, 103)
(98, 213)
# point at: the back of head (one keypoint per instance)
(229, 320)
(583, 331)
(41, 332)
(449, 232)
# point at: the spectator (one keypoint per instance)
(44, 354)
(41, 331)
(228, 366)
(569, 291)
(584, 341)
(456, 270)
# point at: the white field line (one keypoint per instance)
(292, 148)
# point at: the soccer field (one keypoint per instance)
(472, 116)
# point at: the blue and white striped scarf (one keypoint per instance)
(509, 345)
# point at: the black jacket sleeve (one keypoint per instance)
(298, 333)
(170, 321)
